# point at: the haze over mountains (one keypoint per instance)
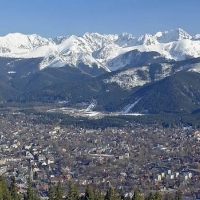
(31, 65)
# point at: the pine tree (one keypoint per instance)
(29, 193)
(157, 196)
(76, 192)
(98, 195)
(4, 192)
(51, 192)
(178, 195)
(72, 193)
(13, 189)
(121, 194)
(167, 197)
(111, 194)
(150, 197)
(89, 193)
(137, 195)
(1, 191)
(58, 193)
(36, 197)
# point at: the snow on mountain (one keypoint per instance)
(125, 40)
(102, 50)
(17, 44)
(73, 51)
(129, 79)
(194, 67)
(43, 51)
(173, 35)
(96, 41)
(177, 50)
(59, 39)
(183, 49)
(139, 76)
(196, 37)
(147, 39)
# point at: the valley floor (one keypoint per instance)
(148, 157)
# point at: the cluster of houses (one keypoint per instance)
(146, 157)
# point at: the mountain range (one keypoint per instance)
(105, 52)
(114, 69)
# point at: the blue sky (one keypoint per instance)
(50, 18)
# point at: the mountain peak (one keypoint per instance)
(100, 50)
(183, 34)
(59, 39)
(147, 39)
(172, 35)
(197, 37)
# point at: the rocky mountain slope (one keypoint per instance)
(116, 70)
(178, 92)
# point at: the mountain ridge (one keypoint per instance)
(100, 50)
(75, 69)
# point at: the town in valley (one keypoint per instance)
(149, 157)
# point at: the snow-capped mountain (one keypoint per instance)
(173, 35)
(18, 45)
(94, 50)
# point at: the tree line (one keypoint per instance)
(55, 192)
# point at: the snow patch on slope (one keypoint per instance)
(129, 79)
(195, 67)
